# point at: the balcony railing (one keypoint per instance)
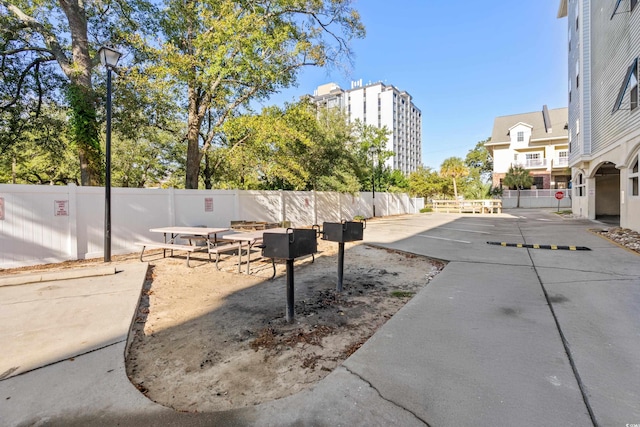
(560, 162)
(534, 163)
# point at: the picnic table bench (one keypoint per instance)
(222, 248)
(171, 234)
(171, 246)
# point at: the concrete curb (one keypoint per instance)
(23, 279)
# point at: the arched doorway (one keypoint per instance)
(608, 194)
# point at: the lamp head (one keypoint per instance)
(108, 56)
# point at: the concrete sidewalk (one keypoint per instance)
(503, 336)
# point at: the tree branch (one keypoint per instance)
(25, 49)
(53, 45)
(36, 63)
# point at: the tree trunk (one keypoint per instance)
(85, 134)
(518, 203)
(207, 172)
(455, 189)
(194, 156)
(82, 97)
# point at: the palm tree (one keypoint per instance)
(518, 177)
(454, 167)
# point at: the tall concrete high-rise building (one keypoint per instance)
(379, 104)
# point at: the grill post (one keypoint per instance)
(290, 298)
(340, 266)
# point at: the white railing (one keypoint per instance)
(506, 194)
(533, 163)
(536, 199)
(561, 162)
(45, 224)
(468, 206)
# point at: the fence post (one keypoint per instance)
(236, 204)
(172, 206)
(73, 246)
(315, 206)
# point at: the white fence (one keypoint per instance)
(44, 224)
(536, 199)
(468, 206)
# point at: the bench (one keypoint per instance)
(222, 248)
(172, 246)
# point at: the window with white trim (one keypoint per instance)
(520, 136)
(634, 177)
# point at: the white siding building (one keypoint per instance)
(536, 141)
(381, 105)
(604, 118)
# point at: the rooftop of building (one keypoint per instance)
(545, 124)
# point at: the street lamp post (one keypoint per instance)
(109, 58)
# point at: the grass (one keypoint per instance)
(402, 294)
(566, 212)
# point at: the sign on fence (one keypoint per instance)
(208, 204)
(61, 207)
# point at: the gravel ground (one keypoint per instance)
(623, 236)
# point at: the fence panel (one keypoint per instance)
(35, 225)
(328, 206)
(42, 224)
(260, 206)
(299, 208)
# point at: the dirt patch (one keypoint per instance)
(208, 340)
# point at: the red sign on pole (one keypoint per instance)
(559, 195)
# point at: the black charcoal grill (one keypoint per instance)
(289, 245)
(341, 232)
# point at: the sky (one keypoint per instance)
(463, 62)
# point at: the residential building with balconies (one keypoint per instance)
(537, 141)
(379, 104)
(604, 119)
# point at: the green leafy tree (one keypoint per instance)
(38, 151)
(479, 161)
(369, 153)
(147, 130)
(393, 181)
(518, 177)
(224, 53)
(454, 169)
(427, 183)
(37, 33)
